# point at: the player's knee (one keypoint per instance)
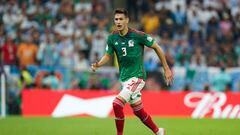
(118, 104)
(137, 106)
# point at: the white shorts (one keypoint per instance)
(131, 90)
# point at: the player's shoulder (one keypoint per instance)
(111, 37)
(113, 34)
(137, 32)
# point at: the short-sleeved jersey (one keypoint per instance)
(129, 50)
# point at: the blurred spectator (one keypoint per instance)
(53, 6)
(198, 59)
(83, 18)
(107, 4)
(183, 57)
(94, 82)
(150, 22)
(99, 14)
(80, 80)
(44, 19)
(65, 27)
(210, 50)
(83, 6)
(47, 52)
(2, 34)
(182, 51)
(81, 62)
(152, 84)
(194, 21)
(196, 39)
(51, 81)
(13, 96)
(26, 80)
(9, 51)
(11, 18)
(27, 52)
(237, 51)
(221, 81)
(99, 41)
(36, 36)
(82, 40)
(206, 13)
(179, 18)
(236, 22)
(212, 27)
(66, 9)
(28, 21)
(65, 52)
(132, 7)
(227, 57)
(166, 22)
(162, 5)
(226, 25)
(150, 65)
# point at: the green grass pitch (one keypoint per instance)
(93, 126)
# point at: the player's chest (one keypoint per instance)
(129, 43)
(127, 47)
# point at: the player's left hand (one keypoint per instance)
(168, 76)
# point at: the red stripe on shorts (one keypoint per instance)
(136, 85)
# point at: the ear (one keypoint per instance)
(127, 20)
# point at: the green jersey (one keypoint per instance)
(129, 50)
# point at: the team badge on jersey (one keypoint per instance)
(130, 43)
(149, 39)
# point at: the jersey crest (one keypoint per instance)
(149, 39)
(130, 43)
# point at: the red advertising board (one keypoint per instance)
(99, 103)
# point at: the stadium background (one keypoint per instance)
(50, 44)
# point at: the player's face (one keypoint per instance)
(121, 21)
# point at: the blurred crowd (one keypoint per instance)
(199, 33)
(51, 43)
(46, 41)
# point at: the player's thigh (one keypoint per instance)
(136, 96)
(131, 89)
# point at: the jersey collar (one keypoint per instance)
(129, 31)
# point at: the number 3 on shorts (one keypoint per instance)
(124, 51)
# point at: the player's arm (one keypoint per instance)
(108, 53)
(167, 71)
(103, 61)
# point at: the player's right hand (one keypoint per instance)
(168, 76)
(94, 66)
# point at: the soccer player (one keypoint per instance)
(128, 44)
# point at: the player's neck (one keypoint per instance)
(123, 32)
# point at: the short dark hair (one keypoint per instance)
(121, 11)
